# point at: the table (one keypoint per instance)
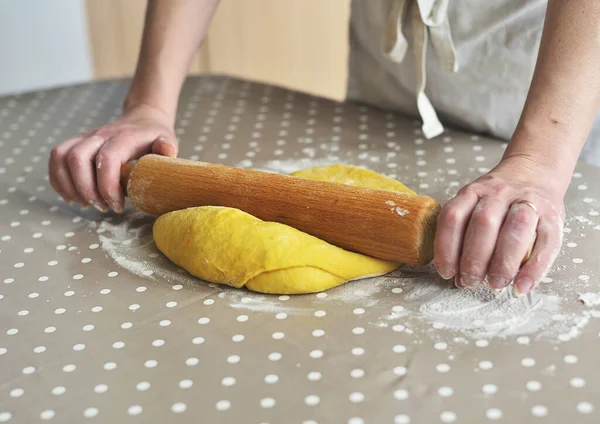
(96, 326)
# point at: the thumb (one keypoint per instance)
(165, 146)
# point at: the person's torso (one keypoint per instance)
(495, 44)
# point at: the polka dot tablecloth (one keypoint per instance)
(89, 332)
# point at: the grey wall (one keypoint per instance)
(43, 43)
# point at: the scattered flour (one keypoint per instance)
(413, 300)
(590, 299)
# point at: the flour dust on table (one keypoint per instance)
(423, 303)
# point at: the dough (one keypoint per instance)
(229, 246)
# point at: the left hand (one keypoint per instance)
(484, 232)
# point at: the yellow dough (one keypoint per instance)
(229, 246)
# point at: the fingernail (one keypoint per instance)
(469, 280)
(497, 282)
(522, 286)
(98, 207)
(117, 207)
(445, 272)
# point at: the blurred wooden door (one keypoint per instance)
(299, 44)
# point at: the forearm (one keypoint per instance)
(565, 92)
(173, 32)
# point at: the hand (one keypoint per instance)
(483, 231)
(86, 169)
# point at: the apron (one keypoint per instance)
(464, 63)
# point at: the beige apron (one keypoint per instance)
(468, 62)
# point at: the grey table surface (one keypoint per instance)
(96, 326)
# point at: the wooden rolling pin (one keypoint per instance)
(392, 226)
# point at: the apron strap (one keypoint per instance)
(428, 18)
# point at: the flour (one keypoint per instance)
(127, 239)
(590, 299)
(415, 301)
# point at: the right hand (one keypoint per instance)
(86, 169)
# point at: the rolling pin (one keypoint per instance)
(392, 226)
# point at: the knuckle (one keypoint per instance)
(469, 190)
(74, 157)
(521, 217)
(450, 216)
(484, 218)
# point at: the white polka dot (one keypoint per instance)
(440, 346)
(524, 340)
(53, 263)
(151, 363)
(69, 368)
(233, 359)
(539, 411)
(489, 389)
(448, 417)
(141, 289)
(356, 397)
(28, 370)
(445, 391)
(312, 400)
(5, 417)
(204, 320)
(528, 362)
(577, 260)
(171, 304)
(58, 390)
(178, 407)
(493, 414)
(126, 325)
(12, 331)
(105, 291)
(19, 265)
(109, 366)
(314, 376)
(90, 412)
(318, 333)
(177, 287)
(113, 274)
(223, 405)
(482, 343)
(49, 329)
(16, 393)
(401, 394)
(134, 307)
(267, 402)
(585, 407)
(86, 260)
(240, 337)
(442, 368)
(185, 384)
(271, 379)
(228, 381)
(533, 386)
(356, 420)
(316, 354)
(33, 295)
(486, 365)
(79, 347)
(358, 351)
(286, 297)
(358, 311)
(571, 359)
(577, 382)
(101, 388)
(242, 318)
(142, 386)
(278, 335)
(401, 419)
(357, 373)
(134, 410)
(47, 414)
(400, 371)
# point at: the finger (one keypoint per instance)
(451, 226)
(58, 172)
(479, 242)
(516, 235)
(165, 146)
(80, 161)
(114, 154)
(545, 251)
